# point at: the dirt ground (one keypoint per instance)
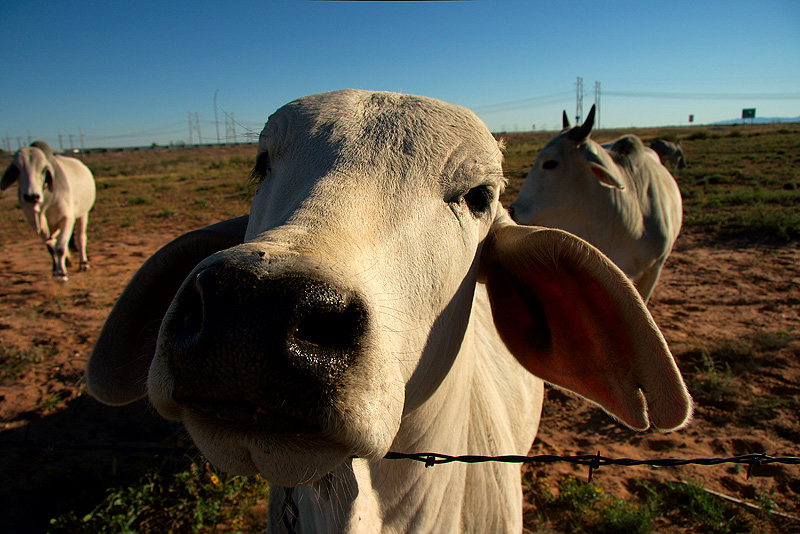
(736, 303)
(739, 303)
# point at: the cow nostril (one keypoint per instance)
(31, 199)
(511, 211)
(334, 329)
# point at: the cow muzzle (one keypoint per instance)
(261, 349)
(31, 198)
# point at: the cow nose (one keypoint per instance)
(236, 335)
(511, 212)
(31, 198)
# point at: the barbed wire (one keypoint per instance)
(430, 459)
(596, 461)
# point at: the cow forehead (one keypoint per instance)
(383, 129)
(31, 159)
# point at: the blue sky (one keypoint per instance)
(127, 73)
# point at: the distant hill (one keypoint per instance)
(758, 120)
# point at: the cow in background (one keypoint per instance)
(617, 196)
(56, 194)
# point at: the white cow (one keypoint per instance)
(617, 196)
(669, 152)
(382, 299)
(56, 194)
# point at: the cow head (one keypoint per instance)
(571, 162)
(32, 168)
(345, 305)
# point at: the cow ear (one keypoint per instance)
(9, 177)
(603, 168)
(117, 369)
(606, 176)
(48, 178)
(572, 318)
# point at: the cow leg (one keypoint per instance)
(40, 225)
(51, 248)
(79, 234)
(62, 248)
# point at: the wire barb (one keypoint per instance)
(594, 464)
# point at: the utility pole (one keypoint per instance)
(579, 101)
(216, 118)
(80, 132)
(191, 128)
(597, 103)
(71, 146)
(197, 123)
(60, 142)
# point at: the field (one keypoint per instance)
(728, 303)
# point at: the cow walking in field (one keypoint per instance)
(56, 194)
(617, 196)
(669, 153)
(378, 297)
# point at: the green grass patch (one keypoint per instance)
(14, 362)
(578, 507)
(196, 500)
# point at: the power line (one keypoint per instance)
(707, 96)
(524, 103)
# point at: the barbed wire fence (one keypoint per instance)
(592, 462)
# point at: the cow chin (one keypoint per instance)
(284, 459)
(278, 459)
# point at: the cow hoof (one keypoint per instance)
(84, 266)
(60, 277)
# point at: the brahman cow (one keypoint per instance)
(378, 297)
(669, 152)
(56, 194)
(617, 196)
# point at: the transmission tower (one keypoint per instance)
(579, 101)
(197, 124)
(194, 126)
(230, 127)
(597, 104)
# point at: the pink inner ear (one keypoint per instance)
(598, 173)
(572, 318)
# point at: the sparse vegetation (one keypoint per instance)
(582, 508)
(198, 499)
(13, 361)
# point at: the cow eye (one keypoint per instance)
(550, 164)
(262, 167)
(478, 199)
